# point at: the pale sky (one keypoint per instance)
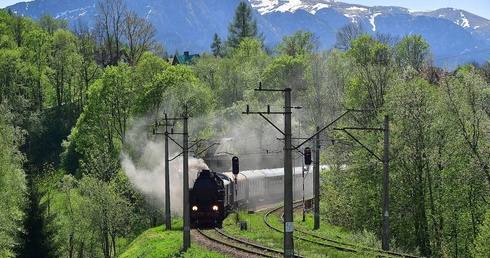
(478, 7)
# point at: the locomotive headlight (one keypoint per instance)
(194, 208)
(215, 207)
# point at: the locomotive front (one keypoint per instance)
(208, 199)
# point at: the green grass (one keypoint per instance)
(257, 231)
(159, 242)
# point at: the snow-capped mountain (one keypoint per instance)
(191, 24)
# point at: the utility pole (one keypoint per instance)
(385, 226)
(386, 193)
(168, 221)
(316, 181)
(288, 167)
(288, 178)
(185, 152)
(187, 217)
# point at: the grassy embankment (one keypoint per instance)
(157, 242)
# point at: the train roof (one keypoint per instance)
(269, 172)
(251, 174)
(231, 176)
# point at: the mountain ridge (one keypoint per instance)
(190, 25)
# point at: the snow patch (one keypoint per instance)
(319, 6)
(268, 6)
(465, 23)
(357, 9)
(290, 6)
(371, 20)
(352, 17)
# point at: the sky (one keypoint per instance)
(478, 7)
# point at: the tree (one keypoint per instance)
(243, 26)
(110, 27)
(140, 35)
(182, 87)
(372, 72)
(63, 63)
(50, 24)
(101, 128)
(347, 33)
(148, 74)
(464, 97)
(12, 184)
(300, 43)
(287, 72)
(325, 79)
(38, 240)
(411, 108)
(412, 51)
(108, 213)
(482, 249)
(216, 46)
(88, 70)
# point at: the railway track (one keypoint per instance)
(331, 243)
(242, 247)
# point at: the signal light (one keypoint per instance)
(215, 207)
(307, 156)
(234, 165)
(194, 208)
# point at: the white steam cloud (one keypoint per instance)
(144, 165)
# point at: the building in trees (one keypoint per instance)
(185, 59)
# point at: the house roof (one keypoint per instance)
(186, 58)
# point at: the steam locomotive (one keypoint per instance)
(214, 196)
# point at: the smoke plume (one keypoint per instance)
(144, 165)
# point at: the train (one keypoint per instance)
(214, 195)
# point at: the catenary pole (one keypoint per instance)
(187, 220)
(316, 181)
(386, 196)
(288, 179)
(168, 222)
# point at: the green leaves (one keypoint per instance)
(12, 184)
(243, 26)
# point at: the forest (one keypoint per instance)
(71, 94)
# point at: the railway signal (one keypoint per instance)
(234, 165)
(307, 156)
(235, 170)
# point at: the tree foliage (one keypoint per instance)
(243, 26)
(12, 183)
